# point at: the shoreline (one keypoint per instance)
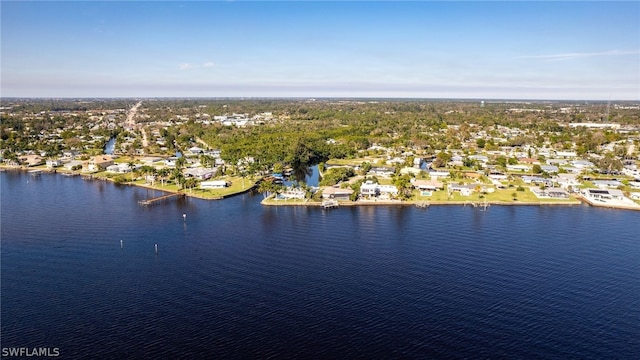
(579, 200)
(270, 202)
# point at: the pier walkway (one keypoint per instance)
(160, 198)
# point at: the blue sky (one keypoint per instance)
(420, 49)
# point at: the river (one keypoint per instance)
(235, 279)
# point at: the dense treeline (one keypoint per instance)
(309, 131)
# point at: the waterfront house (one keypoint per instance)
(292, 193)
(73, 164)
(337, 193)
(603, 195)
(372, 189)
(99, 162)
(550, 193)
(53, 163)
(31, 160)
(428, 185)
(214, 184)
(464, 189)
(369, 188)
(121, 168)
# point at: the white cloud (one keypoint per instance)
(188, 66)
(570, 56)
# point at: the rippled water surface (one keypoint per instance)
(238, 280)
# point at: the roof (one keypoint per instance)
(337, 191)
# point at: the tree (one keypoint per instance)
(178, 177)
(403, 183)
(278, 168)
(536, 169)
(481, 143)
(132, 166)
(190, 183)
(163, 173)
(265, 188)
(180, 162)
(364, 168)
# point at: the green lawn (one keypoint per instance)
(505, 195)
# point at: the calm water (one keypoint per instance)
(238, 280)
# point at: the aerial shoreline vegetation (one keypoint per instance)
(367, 151)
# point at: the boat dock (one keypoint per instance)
(160, 198)
(330, 204)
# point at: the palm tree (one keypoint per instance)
(131, 165)
(180, 162)
(178, 177)
(265, 188)
(163, 173)
(190, 183)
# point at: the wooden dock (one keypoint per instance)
(329, 204)
(159, 198)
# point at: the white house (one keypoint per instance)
(631, 170)
(550, 193)
(566, 154)
(293, 193)
(53, 163)
(436, 173)
(120, 168)
(410, 170)
(518, 167)
(370, 188)
(214, 184)
(603, 195)
(464, 190)
(381, 171)
(567, 180)
(196, 151)
(581, 164)
(603, 184)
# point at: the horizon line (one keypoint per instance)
(312, 98)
